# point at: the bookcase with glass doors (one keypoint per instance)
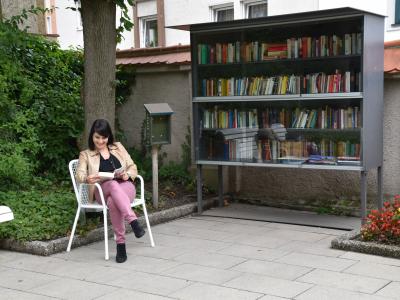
(292, 91)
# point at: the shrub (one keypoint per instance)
(174, 172)
(38, 215)
(41, 114)
(383, 225)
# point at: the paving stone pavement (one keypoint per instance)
(205, 257)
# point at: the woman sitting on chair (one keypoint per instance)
(105, 155)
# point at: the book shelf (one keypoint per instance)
(292, 91)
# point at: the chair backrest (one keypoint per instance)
(83, 197)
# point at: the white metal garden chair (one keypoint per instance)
(5, 214)
(82, 196)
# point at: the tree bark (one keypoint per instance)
(99, 36)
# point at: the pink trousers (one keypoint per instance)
(118, 196)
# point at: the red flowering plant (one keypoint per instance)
(383, 225)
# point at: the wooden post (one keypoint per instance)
(154, 159)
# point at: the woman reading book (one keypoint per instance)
(105, 155)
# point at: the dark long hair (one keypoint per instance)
(103, 128)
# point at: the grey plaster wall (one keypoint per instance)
(172, 87)
(391, 137)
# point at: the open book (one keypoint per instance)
(111, 175)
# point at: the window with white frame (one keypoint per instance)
(256, 9)
(48, 25)
(222, 13)
(149, 32)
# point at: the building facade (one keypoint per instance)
(152, 18)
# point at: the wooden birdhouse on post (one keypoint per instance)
(157, 132)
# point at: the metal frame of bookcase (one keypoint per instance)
(371, 96)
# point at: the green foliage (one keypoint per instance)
(38, 215)
(125, 22)
(174, 172)
(187, 150)
(41, 115)
(143, 163)
(125, 79)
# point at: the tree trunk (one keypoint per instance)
(99, 35)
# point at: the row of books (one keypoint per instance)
(325, 45)
(336, 83)
(231, 118)
(282, 85)
(301, 47)
(322, 117)
(301, 151)
(225, 53)
(324, 152)
(241, 148)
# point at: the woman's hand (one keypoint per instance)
(124, 176)
(92, 178)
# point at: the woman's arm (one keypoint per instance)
(131, 168)
(82, 169)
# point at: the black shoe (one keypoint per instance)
(137, 229)
(121, 253)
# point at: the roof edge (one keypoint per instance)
(133, 52)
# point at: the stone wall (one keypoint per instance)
(35, 23)
(154, 85)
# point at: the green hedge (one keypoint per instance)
(41, 114)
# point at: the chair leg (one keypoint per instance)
(78, 211)
(148, 224)
(105, 234)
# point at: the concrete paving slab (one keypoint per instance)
(149, 283)
(201, 274)
(344, 281)
(9, 294)
(371, 258)
(128, 294)
(292, 235)
(322, 293)
(251, 252)
(24, 280)
(268, 285)
(258, 240)
(148, 264)
(73, 289)
(209, 259)
(391, 290)
(311, 248)
(268, 297)
(335, 232)
(278, 215)
(272, 269)
(375, 270)
(201, 291)
(190, 243)
(316, 261)
(198, 233)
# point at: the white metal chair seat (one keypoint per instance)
(5, 214)
(82, 197)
